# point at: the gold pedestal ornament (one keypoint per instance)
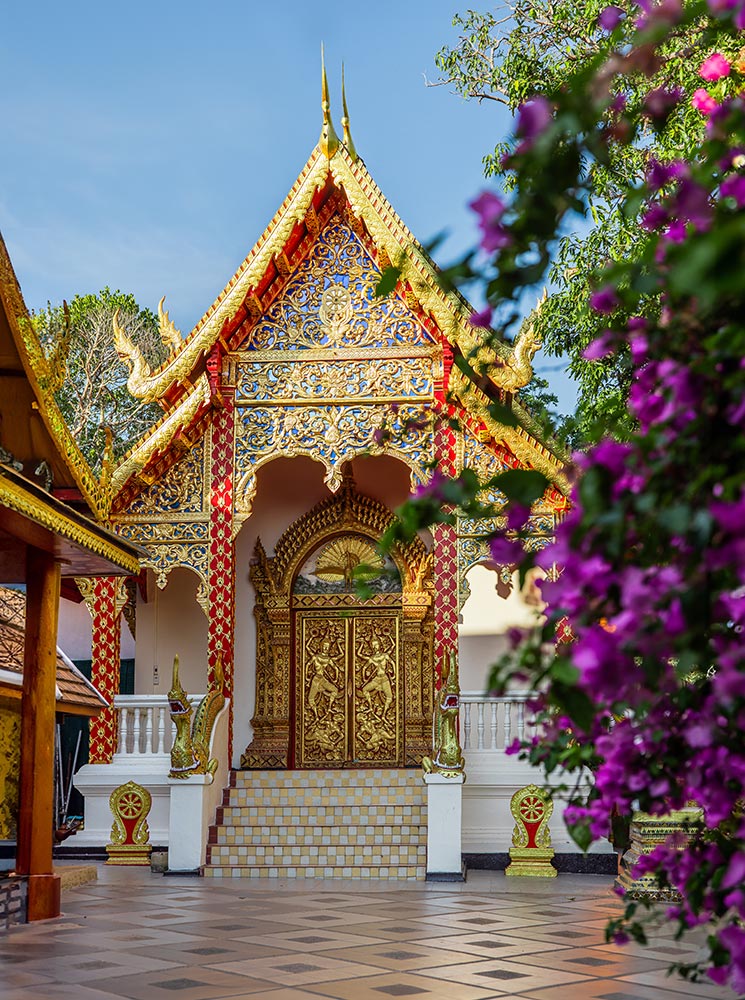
(531, 850)
(130, 836)
(648, 832)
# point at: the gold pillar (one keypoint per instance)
(35, 820)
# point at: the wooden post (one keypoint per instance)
(36, 812)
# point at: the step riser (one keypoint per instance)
(318, 855)
(298, 835)
(327, 779)
(399, 872)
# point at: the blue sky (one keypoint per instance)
(146, 146)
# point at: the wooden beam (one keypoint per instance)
(36, 812)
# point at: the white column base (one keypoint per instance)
(444, 818)
(190, 816)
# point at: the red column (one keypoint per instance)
(222, 555)
(445, 544)
(106, 636)
(38, 708)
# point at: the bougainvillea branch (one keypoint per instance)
(651, 692)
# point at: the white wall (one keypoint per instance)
(170, 623)
(74, 632)
(485, 621)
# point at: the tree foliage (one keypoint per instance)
(648, 568)
(91, 380)
(531, 47)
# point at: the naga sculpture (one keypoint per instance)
(140, 383)
(447, 758)
(190, 753)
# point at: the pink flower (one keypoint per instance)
(715, 67)
(703, 101)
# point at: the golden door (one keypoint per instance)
(348, 688)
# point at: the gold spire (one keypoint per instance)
(329, 139)
(348, 141)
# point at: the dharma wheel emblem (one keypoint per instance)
(335, 311)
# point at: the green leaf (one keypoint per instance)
(388, 281)
(523, 486)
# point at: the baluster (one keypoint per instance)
(123, 719)
(521, 720)
(507, 723)
(136, 734)
(149, 729)
(466, 725)
(161, 730)
(493, 742)
(481, 725)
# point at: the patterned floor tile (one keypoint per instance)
(137, 936)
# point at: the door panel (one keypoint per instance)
(348, 691)
(376, 710)
(321, 696)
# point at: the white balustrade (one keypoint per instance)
(487, 722)
(144, 724)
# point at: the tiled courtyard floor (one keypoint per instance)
(133, 934)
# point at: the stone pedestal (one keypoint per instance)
(191, 813)
(648, 832)
(444, 817)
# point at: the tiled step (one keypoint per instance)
(311, 815)
(314, 834)
(330, 871)
(331, 824)
(375, 777)
(317, 855)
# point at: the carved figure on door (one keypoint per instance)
(379, 681)
(322, 664)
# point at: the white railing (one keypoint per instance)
(491, 724)
(144, 724)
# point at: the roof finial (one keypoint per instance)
(329, 141)
(348, 141)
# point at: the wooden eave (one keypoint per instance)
(29, 516)
(32, 427)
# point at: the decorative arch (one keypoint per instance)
(346, 513)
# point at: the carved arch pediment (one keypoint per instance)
(345, 512)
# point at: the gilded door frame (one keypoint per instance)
(347, 512)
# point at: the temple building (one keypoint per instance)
(298, 415)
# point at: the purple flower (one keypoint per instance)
(517, 515)
(490, 208)
(654, 217)
(482, 318)
(600, 347)
(660, 102)
(504, 552)
(610, 18)
(693, 205)
(734, 187)
(533, 117)
(605, 300)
